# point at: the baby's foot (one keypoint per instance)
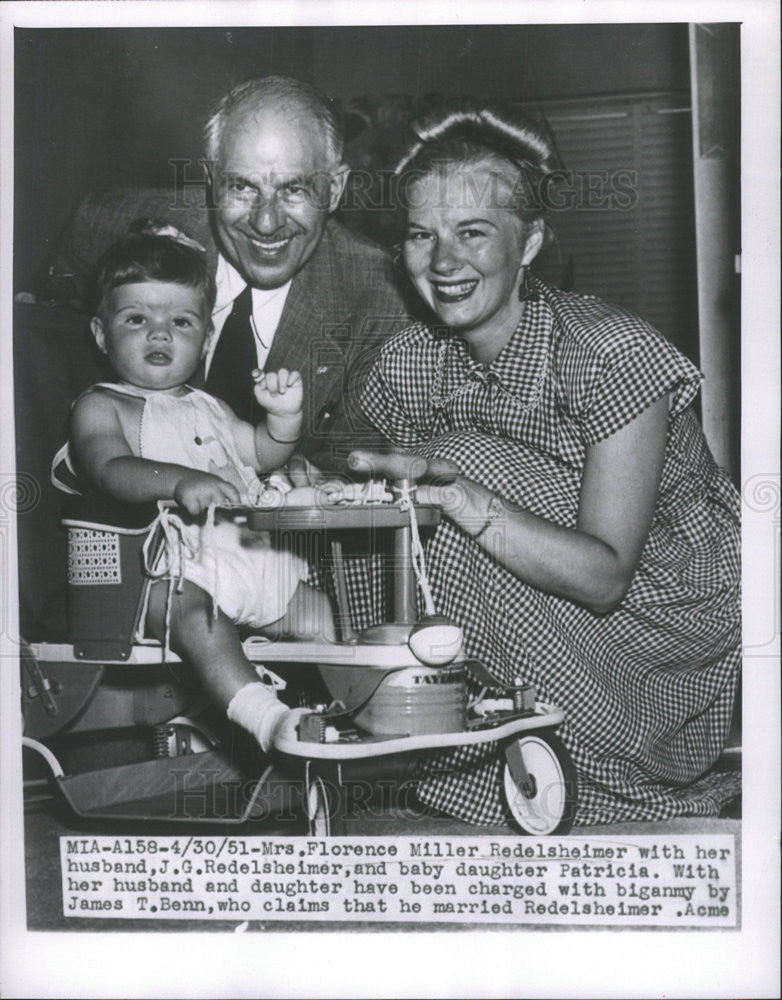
(287, 726)
(256, 708)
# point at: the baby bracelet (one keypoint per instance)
(494, 512)
(280, 440)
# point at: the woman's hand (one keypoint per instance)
(592, 563)
(196, 491)
(397, 465)
(463, 501)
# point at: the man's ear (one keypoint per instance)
(96, 325)
(337, 182)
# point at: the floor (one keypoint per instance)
(395, 812)
(378, 807)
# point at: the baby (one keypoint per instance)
(150, 436)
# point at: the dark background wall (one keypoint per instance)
(525, 62)
(97, 108)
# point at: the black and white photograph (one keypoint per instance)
(447, 341)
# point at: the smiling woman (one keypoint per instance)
(465, 253)
(597, 535)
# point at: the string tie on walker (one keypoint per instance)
(406, 498)
(435, 640)
(166, 561)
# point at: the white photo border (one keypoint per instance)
(488, 964)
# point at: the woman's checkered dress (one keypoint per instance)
(647, 689)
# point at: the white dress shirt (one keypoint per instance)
(267, 309)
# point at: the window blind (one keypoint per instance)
(623, 214)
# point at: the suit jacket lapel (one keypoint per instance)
(314, 330)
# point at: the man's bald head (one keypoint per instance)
(281, 95)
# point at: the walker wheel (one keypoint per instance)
(546, 804)
(324, 802)
(317, 802)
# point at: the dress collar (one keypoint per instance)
(520, 367)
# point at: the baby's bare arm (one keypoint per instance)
(270, 444)
(103, 456)
(281, 394)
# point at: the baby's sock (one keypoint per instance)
(256, 708)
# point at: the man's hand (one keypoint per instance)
(196, 491)
(280, 393)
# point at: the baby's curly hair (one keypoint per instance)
(152, 250)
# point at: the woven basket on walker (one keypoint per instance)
(106, 579)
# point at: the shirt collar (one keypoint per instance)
(229, 284)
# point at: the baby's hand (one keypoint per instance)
(196, 491)
(281, 392)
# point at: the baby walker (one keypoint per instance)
(398, 688)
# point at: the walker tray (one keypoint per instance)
(350, 744)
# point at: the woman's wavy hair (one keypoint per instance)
(461, 133)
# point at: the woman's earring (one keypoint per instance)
(526, 292)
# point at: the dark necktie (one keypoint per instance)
(234, 358)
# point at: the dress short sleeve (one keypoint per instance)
(611, 374)
(396, 395)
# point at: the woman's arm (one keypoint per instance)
(592, 564)
(103, 456)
